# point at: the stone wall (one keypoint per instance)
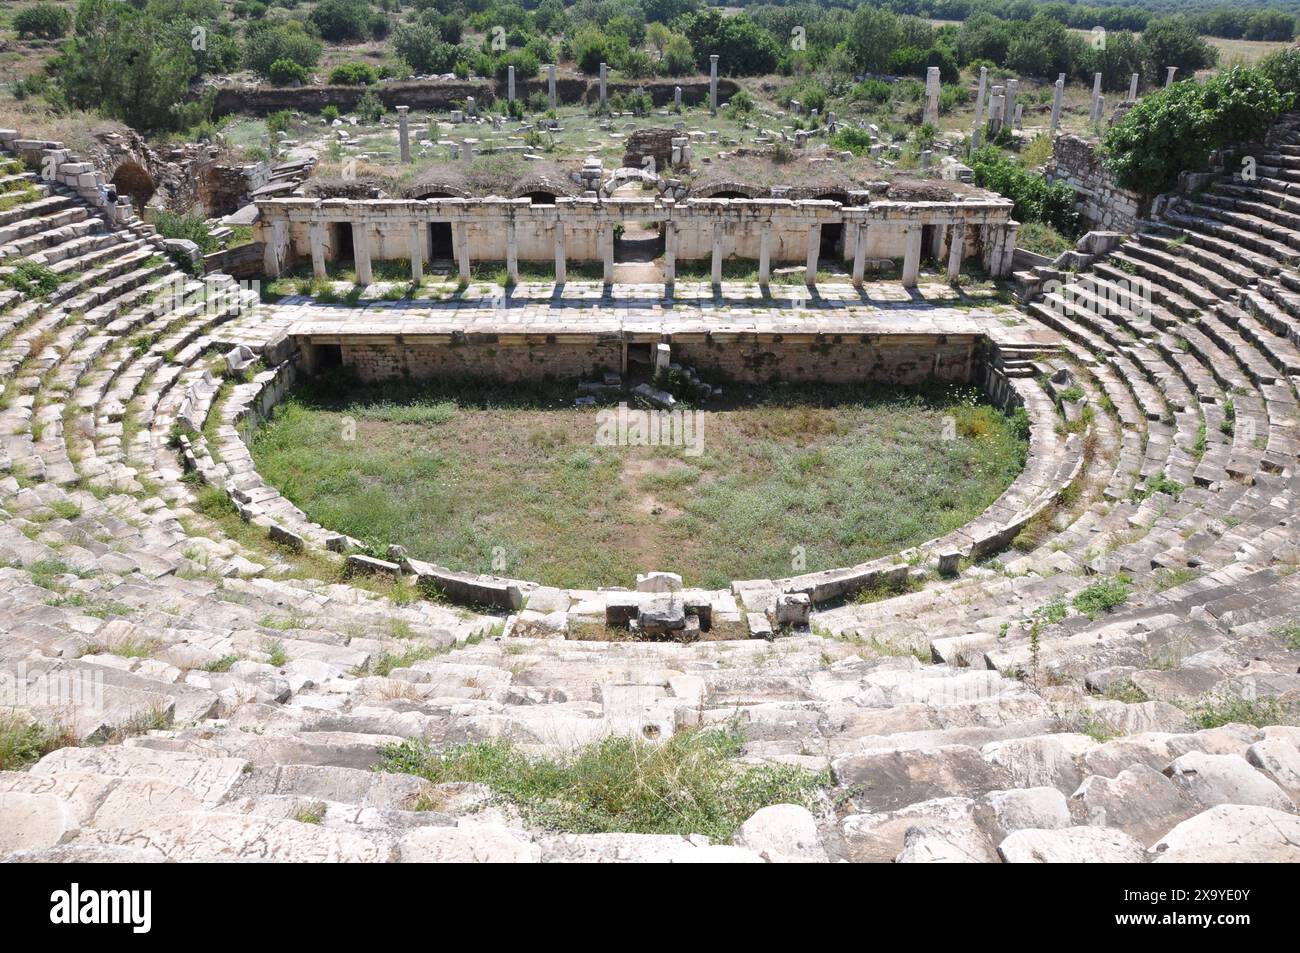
(504, 360)
(895, 359)
(1103, 204)
(885, 359)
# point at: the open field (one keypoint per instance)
(846, 474)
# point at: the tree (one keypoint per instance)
(269, 43)
(43, 20)
(983, 37)
(338, 20)
(874, 34)
(1044, 47)
(742, 46)
(424, 50)
(678, 58)
(134, 63)
(1173, 41)
(1117, 61)
(1271, 25)
(1177, 128)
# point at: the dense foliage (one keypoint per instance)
(42, 21)
(1035, 199)
(1177, 128)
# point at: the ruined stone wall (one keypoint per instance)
(895, 359)
(1103, 204)
(886, 359)
(505, 361)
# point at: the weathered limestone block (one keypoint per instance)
(471, 844)
(937, 844)
(1140, 801)
(1232, 833)
(34, 821)
(206, 837)
(783, 832)
(1279, 760)
(888, 780)
(1072, 845)
(1213, 779)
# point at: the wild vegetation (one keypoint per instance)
(691, 783)
(842, 473)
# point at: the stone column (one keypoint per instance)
(677, 97)
(930, 115)
(956, 243)
(602, 83)
(1095, 115)
(1057, 94)
(764, 253)
(997, 102)
(979, 109)
(670, 252)
(561, 261)
(814, 252)
(403, 133)
(1009, 106)
(361, 252)
(460, 238)
(317, 234)
(1170, 72)
(713, 84)
(926, 155)
(1133, 88)
(417, 252)
(607, 251)
(512, 253)
(510, 84)
(1004, 249)
(550, 85)
(716, 271)
(859, 254)
(912, 256)
(276, 249)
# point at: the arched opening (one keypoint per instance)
(728, 194)
(133, 179)
(541, 198)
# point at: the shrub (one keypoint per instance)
(370, 108)
(30, 279)
(270, 45)
(353, 74)
(338, 20)
(1035, 200)
(330, 113)
(1177, 128)
(287, 72)
(188, 225)
(857, 141)
(1103, 596)
(279, 122)
(42, 21)
(424, 50)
